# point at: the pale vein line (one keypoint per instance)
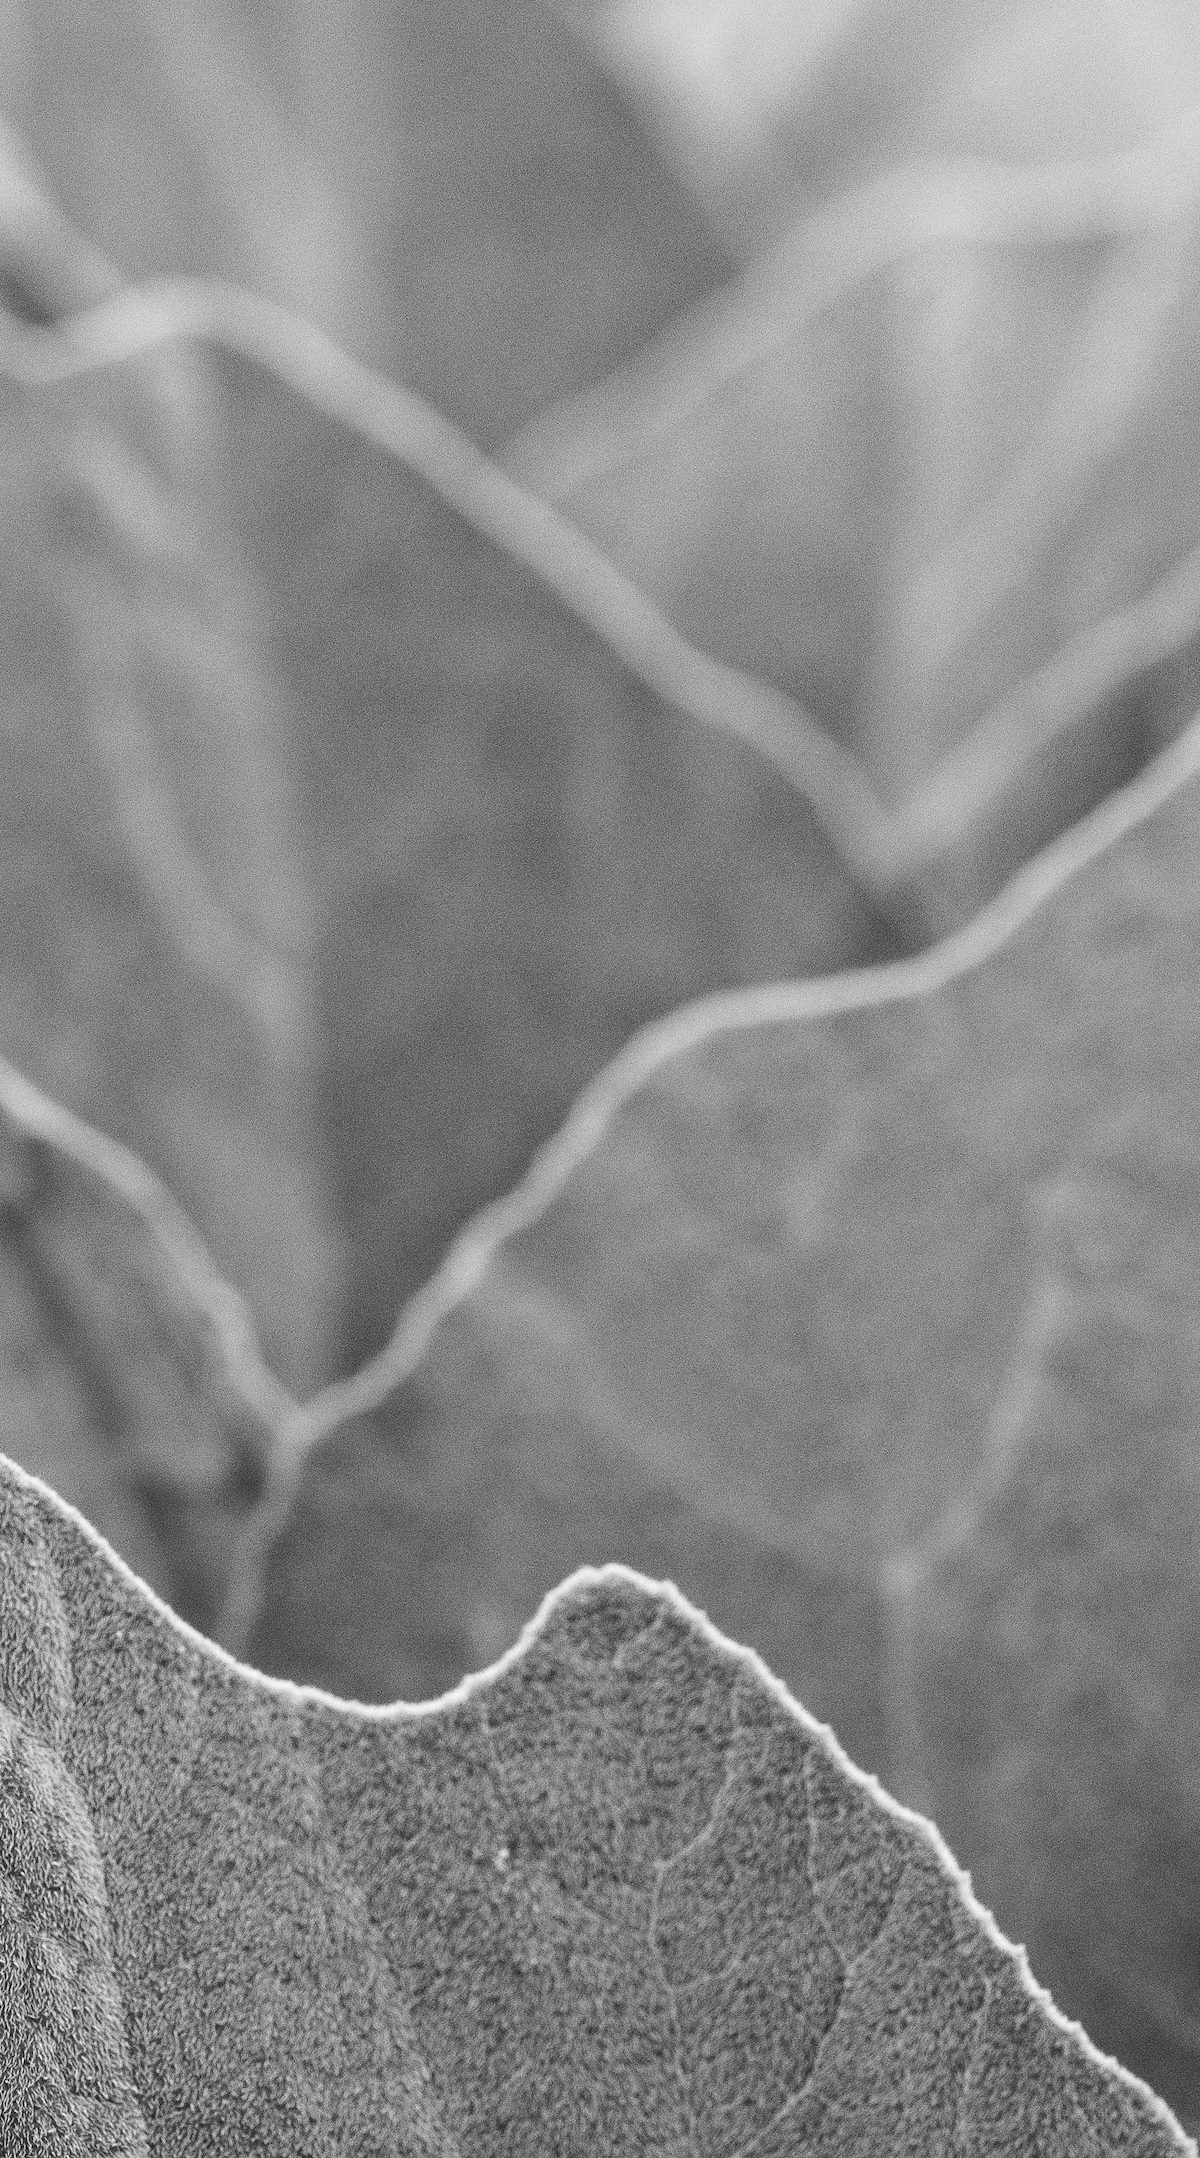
(663, 387)
(725, 1012)
(273, 186)
(662, 1867)
(250, 972)
(1111, 365)
(901, 213)
(1007, 1436)
(904, 1573)
(706, 690)
(788, 2106)
(686, 2105)
(881, 847)
(647, 1053)
(253, 976)
(849, 1964)
(1076, 683)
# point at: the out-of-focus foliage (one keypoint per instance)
(370, 805)
(931, 461)
(454, 191)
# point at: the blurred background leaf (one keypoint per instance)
(456, 193)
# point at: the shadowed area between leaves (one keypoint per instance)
(928, 465)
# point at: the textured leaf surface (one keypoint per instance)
(865, 1311)
(454, 191)
(620, 1894)
(340, 851)
(930, 464)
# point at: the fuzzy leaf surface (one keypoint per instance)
(622, 1893)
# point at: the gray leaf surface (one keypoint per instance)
(928, 463)
(621, 1893)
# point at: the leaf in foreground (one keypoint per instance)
(865, 1310)
(621, 1893)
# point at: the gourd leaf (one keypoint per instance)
(621, 1892)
